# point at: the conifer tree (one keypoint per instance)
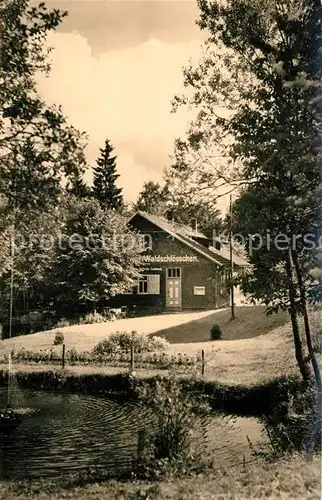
(78, 187)
(104, 183)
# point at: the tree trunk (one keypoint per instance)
(310, 347)
(299, 354)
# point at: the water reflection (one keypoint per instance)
(64, 433)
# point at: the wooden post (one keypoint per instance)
(63, 358)
(132, 360)
(202, 362)
(232, 298)
(141, 443)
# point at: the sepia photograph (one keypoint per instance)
(160, 249)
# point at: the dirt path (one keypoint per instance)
(84, 337)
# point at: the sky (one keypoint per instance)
(116, 65)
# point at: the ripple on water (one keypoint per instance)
(64, 433)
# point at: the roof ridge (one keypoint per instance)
(206, 252)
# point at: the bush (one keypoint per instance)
(32, 322)
(59, 338)
(94, 317)
(294, 425)
(215, 332)
(62, 323)
(122, 341)
(173, 446)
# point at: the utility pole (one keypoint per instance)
(12, 253)
(231, 261)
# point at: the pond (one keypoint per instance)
(68, 433)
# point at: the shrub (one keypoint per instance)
(215, 332)
(179, 423)
(62, 323)
(294, 425)
(94, 317)
(59, 338)
(122, 341)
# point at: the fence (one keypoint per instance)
(129, 360)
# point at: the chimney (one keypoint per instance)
(216, 243)
(194, 225)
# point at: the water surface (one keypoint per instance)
(66, 433)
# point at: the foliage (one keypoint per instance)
(37, 146)
(157, 199)
(32, 322)
(155, 360)
(153, 199)
(94, 317)
(293, 426)
(94, 259)
(78, 187)
(62, 323)
(59, 338)
(104, 183)
(123, 341)
(39, 150)
(178, 420)
(215, 332)
(262, 65)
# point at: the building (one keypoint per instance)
(181, 269)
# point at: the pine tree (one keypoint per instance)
(78, 187)
(104, 183)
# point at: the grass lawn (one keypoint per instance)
(250, 322)
(85, 337)
(294, 478)
(246, 361)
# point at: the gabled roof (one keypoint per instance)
(185, 235)
(224, 254)
(166, 225)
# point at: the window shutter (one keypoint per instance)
(154, 284)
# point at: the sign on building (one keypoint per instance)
(168, 258)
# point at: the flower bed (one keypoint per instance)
(73, 357)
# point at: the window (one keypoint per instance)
(174, 272)
(149, 284)
(144, 242)
(143, 285)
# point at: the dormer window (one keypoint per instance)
(145, 242)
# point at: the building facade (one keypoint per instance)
(180, 269)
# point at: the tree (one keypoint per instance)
(78, 187)
(96, 257)
(104, 183)
(207, 216)
(28, 127)
(38, 148)
(153, 199)
(272, 279)
(262, 66)
(157, 199)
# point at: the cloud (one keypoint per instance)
(123, 95)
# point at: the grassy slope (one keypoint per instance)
(250, 322)
(84, 337)
(246, 361)
(296, 478)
